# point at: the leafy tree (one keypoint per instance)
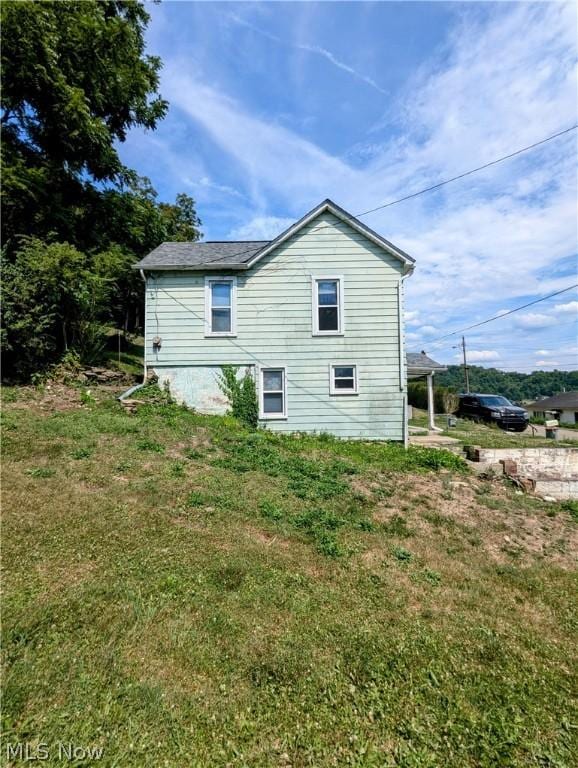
(52, 300)
(75, 79)
(512, 384)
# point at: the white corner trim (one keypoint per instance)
(343, 392)
(220, 279)
(315, 307)
(271, 416)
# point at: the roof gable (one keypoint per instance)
(330, 207)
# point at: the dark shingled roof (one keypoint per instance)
(422, 361)
(215, 253)
(556, 402)
(241, 255)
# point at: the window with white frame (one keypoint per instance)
(273, 398)
(220, 306)
(342, 379)
(327, 305)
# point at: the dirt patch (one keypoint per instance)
(54, 397)
(266, 538)
(61, 577)
(489, 516)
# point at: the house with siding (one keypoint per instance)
(315, 315)
(564, 406)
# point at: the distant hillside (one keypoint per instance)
(515, 386)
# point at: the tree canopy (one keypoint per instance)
(511, 384)
(76, 78)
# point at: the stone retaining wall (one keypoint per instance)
(547, 471)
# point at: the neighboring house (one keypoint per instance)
(316, 315)
(564, 406)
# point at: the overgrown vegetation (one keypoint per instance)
(75, 78)
(241, 394)
(183, 589)
(446, 399)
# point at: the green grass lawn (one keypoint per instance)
(488, 435)
(182, 592)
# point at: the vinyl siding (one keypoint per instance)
(274, 328)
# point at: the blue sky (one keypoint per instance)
(276, 106)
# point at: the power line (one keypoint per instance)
(473, 170)
(429, 189)
(498, 340)
(504, 314)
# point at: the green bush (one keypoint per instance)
(241, 394)
(445, 399)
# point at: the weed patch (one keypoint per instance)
(41, 472)
(150, 445)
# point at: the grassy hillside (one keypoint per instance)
(180, 591)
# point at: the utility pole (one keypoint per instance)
(466, 372)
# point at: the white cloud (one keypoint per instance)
(261, 228)
(274, 159)
(534, 320)
(570, 307)
(412, 317)
(543, 352)
(549, 363)
(428, 330)
(480, 355)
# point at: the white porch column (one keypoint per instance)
(430, 403)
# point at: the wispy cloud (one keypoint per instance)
(261, 228)
(314, 49)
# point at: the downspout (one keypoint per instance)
(401, 365)
(136, 387)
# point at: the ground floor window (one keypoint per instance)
(342, 379)
(273, 397)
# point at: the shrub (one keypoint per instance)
(241, 394)
(445, 399)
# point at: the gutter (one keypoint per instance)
(402, 362)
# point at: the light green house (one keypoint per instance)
(316, 315)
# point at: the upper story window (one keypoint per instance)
(220, 306)
(327, 306)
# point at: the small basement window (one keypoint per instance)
(273, 400)
(342, 379)
(220, 306)
(327, 306)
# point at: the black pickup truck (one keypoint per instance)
(493, 409)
